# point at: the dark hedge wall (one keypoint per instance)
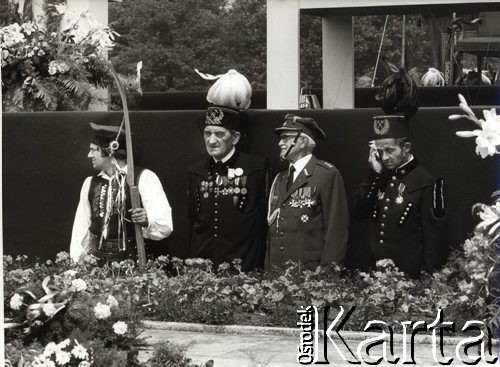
(44, 165)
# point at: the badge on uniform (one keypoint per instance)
(401, 189)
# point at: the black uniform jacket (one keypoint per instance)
(227, 213)
(309, 222)
(406, 212)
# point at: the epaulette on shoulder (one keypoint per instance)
(325, 164)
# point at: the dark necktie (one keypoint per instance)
(289, 179)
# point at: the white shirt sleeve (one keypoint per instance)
(79, 236)
(156, 204)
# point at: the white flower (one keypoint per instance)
(465, 286)
(50, 349)
(64, 343)
(84, 364)
(104, 39)
(62, 357)
(120, 327)
(60, 8)
(11, 35)
(112, 301)
(62, 67)
(62, 256)
(16, 301)
(42, 361)
(52, 68)
(28, 28)
(102, 311)
(79, 351)
(488, 137)
(384, 262)
(490, 215)
(49, 309)
(79, 284)
(70, 273)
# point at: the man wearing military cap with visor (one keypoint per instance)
(308, 215)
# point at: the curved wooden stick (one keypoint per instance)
(134, 190)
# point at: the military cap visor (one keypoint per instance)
(306, 125)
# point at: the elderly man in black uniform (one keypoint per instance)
(308, 215)
(227, 196)
(404, 203)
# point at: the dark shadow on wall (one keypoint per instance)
(44, 165)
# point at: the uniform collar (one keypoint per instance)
(406, 168)
(301, 163)
(229, 162)
(227, 157)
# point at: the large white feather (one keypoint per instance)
(231, 89)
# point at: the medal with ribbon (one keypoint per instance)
(401, 189)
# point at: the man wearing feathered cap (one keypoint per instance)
(104, 220)
(227, 190)
(404, 203)
(308, 215)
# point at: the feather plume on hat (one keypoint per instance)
(231, 89)
(399, 93)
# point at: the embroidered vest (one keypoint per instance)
(97, 196)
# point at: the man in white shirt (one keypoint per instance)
(104, 220)
(308, 215)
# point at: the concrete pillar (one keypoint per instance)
(283, 54)
(338, 62)
(97, 7)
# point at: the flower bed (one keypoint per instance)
(100, 307)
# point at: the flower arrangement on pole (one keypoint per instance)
(47, 69)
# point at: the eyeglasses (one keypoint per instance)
(287, 138)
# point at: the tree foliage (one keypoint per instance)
(172, 37)
(368, 35)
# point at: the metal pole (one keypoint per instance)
(379, 50)
(403, 43)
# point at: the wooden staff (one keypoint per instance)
(134, 190)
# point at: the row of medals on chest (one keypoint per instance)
(222, 185)
(399, 199)
(303, 197)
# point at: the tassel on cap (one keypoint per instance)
(231, 89)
